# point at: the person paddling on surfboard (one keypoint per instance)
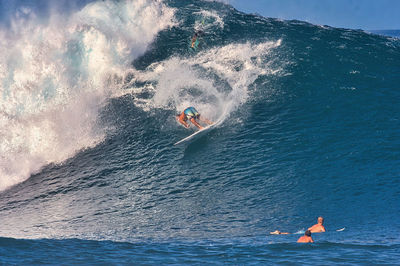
(316, 228)
(191, 114)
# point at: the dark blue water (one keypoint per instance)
(234, 251)
(89, 172)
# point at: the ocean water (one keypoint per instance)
(391, 33)
(89, 172)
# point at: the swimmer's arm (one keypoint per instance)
(277, 232)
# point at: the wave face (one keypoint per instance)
(88, 99)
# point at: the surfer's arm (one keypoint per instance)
(182, 121)
(185, 124)
(205, 120)
(195, 123)
(277, 232)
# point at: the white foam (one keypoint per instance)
(215, 81)
(54, 78)
(208, 19)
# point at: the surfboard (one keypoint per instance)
(199, 133)
(300, 232)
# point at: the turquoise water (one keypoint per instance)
(89, 172)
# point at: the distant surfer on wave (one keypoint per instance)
(191, 114)
(194, 38)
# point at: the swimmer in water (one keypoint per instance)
(318, 228)
(306, 238)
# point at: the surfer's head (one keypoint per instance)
(307, 233)
(320, 220)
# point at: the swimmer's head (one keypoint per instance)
(307, 233)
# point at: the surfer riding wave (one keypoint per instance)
(192, 114)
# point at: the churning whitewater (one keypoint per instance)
(57, 74)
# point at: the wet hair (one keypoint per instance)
(307, 233)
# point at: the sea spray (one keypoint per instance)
(216, 81)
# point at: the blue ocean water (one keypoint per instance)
(89, 172)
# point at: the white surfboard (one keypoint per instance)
(199, 133)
